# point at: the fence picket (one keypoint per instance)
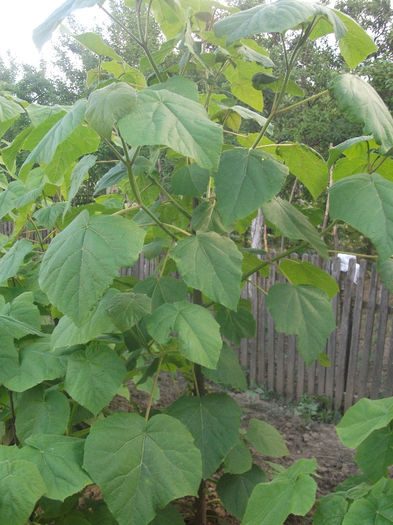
(354, 347)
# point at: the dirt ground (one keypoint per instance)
(305, 438)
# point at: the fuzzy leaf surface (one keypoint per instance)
(245, 180)
(365, 201)
(234, 490)
(199, 333)
(59, 460)
(213, 421)
(94, 376)
(41, 412)
(221, 262)
(82, 261)
(293, 224)
(141, 466)
(21, 486)
(360, 103)
(161, 117)
(305, 311)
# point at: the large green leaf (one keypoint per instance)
(95, 43)
(94, 376)
(81, 141)
(374, 509)
(330, 510)
(9, 358)
(239, 459)
(356, 44)
(67, 333)
(361, 104)
(141, 466)
(307, 165)
(190, 180)
(127, 309)
(303, 272)
(21, 486)
(59, 460)
(41, 412)
(163, 290)
(83, 259)
(363, 418)
(36, 363)
(246, 179)
(12, 260)
(266, 439)
(168, 516)
(365, 201)
(228, 372)
(236, 325)
(234, 490)
(276, 17)
(108, 105)
(20, 317)
(47, 217)
(46, 148)
(112, 177)
(43, 32)
(385, 270)
(198, 331)
(214, 422)
(9, 109)
(293, 224)
(239, 74)
(161, 117)
(305, 311)
(78, 175)
(291, 492)
(375, 454)
(221, 262)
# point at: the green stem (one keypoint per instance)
(290, 66)
(257, 286)
(120, 24)
(12, 408)
(162, 269)
(169, 197)
(153, 389)
(137, 40)
(304, 101)
(136, 192)
(356, 254)
(37, 233)
(374, 169)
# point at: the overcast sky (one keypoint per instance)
(20, 17)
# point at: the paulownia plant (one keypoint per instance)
(74, 333)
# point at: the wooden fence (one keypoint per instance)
(360, 349)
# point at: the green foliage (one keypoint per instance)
(189, 166)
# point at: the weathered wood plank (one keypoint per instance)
(380, 346)
(270, 337)
(262, 340)
(354, 345)
(344, 335)
(280, 354)
(331, 344)
(253, 343)
(243, 356)
(365, 351)
(388, 384)
(291, 362)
